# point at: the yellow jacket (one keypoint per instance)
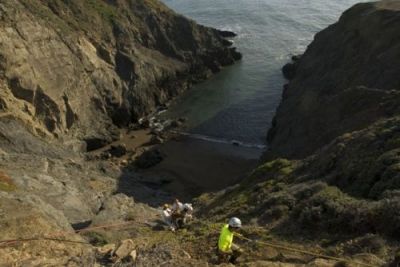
(225, 239)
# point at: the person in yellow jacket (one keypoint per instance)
(227, 250)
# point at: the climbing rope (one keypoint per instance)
(314, 254)
(4, 243)
(54, 235)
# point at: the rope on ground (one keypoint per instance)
(54, 235)
(314, 254)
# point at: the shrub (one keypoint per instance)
(368, 243)
(96, 239)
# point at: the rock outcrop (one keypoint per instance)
(79, 68)
(338, 125)
(71, 73)
(346, 80)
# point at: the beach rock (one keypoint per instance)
(95, 143)
(175, 124)
(118, 150)
(236, 55)
(235, 143)
(156, 140)
(289, 71)
(144, 123)
(183, 120)
(226, 34)
(149, 158)
(227, 42)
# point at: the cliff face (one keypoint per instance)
(80, 67)
(347, 79)
(338, 125)
(75, 70)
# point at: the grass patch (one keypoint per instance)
(106, 11)
(96, 239)
(282, 166)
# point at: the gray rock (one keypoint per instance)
(149, 159)
(125, 248)
(118, 150)
(156, 140)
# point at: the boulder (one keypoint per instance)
(132, 256)
(106, 249)
(118, 150)
(226, 34)
(227, 42)
(149, 159)
(156, 140)
(176, 124)
(94, 143)
(289, 71)
(125, 248)
(235, 54)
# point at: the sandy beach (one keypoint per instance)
(191, 166)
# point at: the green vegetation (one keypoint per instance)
(105, 10)
(155, 5)
(279, 165)
(96, 238)
(46, 14)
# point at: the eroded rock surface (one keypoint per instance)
(345, 81)
(80, 67)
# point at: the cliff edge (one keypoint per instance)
(346, 80)
(330, 178)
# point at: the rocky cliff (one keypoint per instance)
(338, 128)
(78, 68)
(346, 80)
(71, 72)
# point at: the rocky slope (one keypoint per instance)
(338, 127)
(346, 80)
(77, 68)
(338, 123)
(71, 72)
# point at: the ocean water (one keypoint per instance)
(239, 103)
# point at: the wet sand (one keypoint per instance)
(192, 166)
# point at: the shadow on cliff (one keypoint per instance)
(192, 167)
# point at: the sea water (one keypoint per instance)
(239, 102)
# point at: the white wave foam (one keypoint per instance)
(220, 140)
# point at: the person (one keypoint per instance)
(167, 217)
(184, 216)
(177, 213)
(187, 212)
(177, 206)
(227, 250)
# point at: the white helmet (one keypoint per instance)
(188, 207)
(235, 222)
